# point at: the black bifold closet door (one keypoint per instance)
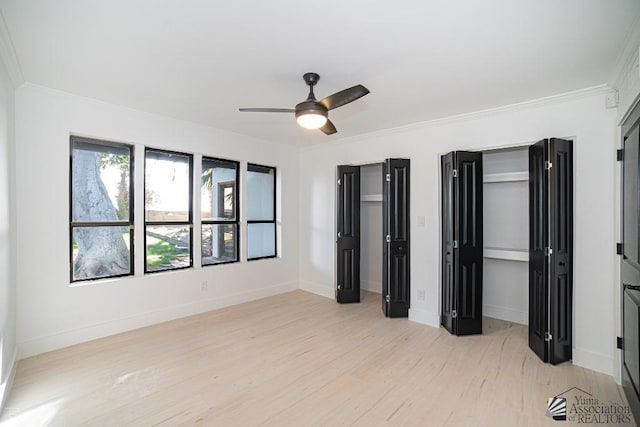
(629, 251)
(551, 249)
(462, 242)
(348, 235)
(550, 246)
(396, 255)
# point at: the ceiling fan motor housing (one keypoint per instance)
(311, 107)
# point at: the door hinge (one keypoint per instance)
(620, 343)
(620, 155)
(454, 314)
(548, 336)
(388, 238)
(387, 298)
(339, 287)
(339, 181)
(618, 248)
(548, 251)
(455, 244)
(388, 177)
(548, 165)
(455, 173)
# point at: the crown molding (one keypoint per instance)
(526, 105)
(627, 56)
(8, 54)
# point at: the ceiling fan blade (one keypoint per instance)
(328, 128)
(267, 110)
(343, 97)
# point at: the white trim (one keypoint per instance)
(504, 313)
(490, 178)
(425, 317)
(520, 106)
(67, 338)
(5, 387)
(8, 54)
(627, 54)
(594, 361)
(521, 255)
(371, 198)
(315, 288)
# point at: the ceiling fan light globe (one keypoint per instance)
(311, 120)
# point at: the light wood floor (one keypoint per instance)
(296, 359)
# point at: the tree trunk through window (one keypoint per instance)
(101, 250)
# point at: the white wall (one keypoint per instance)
(581, 116)
(51, 313)
(371, 229)
(7, 237)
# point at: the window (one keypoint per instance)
(101, 211)
(219, 211)
(261, 218)
(168, 189)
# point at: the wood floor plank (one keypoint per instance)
(296, 359)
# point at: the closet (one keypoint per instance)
(371, 227)
(507, 241)
(360, 202)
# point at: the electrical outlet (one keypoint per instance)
(420, 294)
(203, 285)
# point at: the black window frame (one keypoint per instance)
(235, 222)
(188, 223)
(264, 168)
(73, 139)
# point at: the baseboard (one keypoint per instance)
(425, 317)
(67, 338)
(594, 361)
(508, 314)
(6, 386)
(315, 288)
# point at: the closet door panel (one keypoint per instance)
(468, 254)
(538, 242)
(561, 257)
(448, 270)
(396, 282)
(348, 234)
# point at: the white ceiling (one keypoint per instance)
(200, 60)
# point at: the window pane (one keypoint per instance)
(261, 240)
(219, 243)
(168, 247)
(167, 186)
(260, 192)
(218, 190)
(100, 252)
(99, 182)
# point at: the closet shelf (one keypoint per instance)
(505, 177)
(506, 254)
(371, 198)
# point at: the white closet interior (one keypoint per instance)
(506, 234)
(371, 227)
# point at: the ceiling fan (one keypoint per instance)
(314, 114)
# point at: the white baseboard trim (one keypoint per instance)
(6, 386)
(594, 361)
(44, 344)
(508, 314)
(315, 288)
(425, 317)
